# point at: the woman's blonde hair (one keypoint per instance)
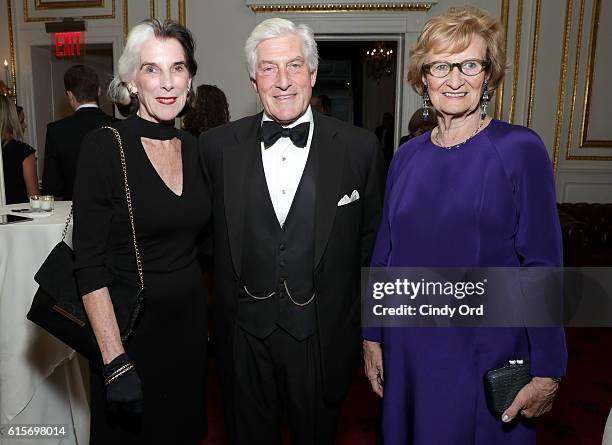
(453, 32)
(9, 120)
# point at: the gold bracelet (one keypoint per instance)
(114, 373)
(118, 373)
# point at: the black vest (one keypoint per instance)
(272, 256)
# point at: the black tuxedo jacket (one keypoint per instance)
(348, 159)
(62, 145)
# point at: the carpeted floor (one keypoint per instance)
(585, 396)
(578, 417)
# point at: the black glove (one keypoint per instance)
(123, 386)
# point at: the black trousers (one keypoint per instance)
(279, 378)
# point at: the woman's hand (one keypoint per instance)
(535, 399)
(373, 359)
(123, 385)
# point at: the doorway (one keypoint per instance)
(361, 77)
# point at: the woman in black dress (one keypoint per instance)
(155, 383)
(18, 158)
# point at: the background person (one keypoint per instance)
(419, 125)
(22, 118)
(64, 137)
(386, 134)
(322, 103)
(209, 110)
(162, 399)
(474, 192)
(18, 158)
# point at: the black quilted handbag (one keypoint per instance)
(57, 306)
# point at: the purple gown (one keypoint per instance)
(489, 202)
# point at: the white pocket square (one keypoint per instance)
(347, 200)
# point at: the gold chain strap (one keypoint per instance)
(67, 223)
(128, 197)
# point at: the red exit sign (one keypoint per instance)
(68, 44)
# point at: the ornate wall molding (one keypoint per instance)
(42, 5)
(28, 18)
(125, 20)
(575, 82)
(534, 60)
(499, 94)
(587, 92)
(569, 10)
(11, 37)
(516, 59)
(182, 12)
(584, 141)
(261, 7)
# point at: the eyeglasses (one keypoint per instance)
(470, 67)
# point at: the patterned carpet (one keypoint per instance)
(578, 417)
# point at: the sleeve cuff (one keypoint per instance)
(92, 278)
(372, 334)
(548, 355)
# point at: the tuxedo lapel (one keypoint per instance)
(330, 155)
(236, 161)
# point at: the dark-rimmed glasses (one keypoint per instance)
(470, 67)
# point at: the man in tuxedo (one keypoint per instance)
(63, 139)
(297, 197)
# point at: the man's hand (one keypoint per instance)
(535, 399)
(373, 359)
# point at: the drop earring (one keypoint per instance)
(425, 112)
(484, 100)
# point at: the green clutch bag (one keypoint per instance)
(503, 384)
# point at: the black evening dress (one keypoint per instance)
(13, 155)
(168, 346)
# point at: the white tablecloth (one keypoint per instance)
(42, 381)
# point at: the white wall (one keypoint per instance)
(546, 93)
(221, 27)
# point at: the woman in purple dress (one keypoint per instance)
(473, 192)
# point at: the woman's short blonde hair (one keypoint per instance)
(453, 32)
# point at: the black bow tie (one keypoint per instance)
(271, 131)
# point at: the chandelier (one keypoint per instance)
(379, 61)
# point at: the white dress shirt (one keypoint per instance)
(283, 165)
(91, 105)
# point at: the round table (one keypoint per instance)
(42, 381)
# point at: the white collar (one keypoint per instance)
(306, 117)
(86, 106)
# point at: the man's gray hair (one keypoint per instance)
(277, 27)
